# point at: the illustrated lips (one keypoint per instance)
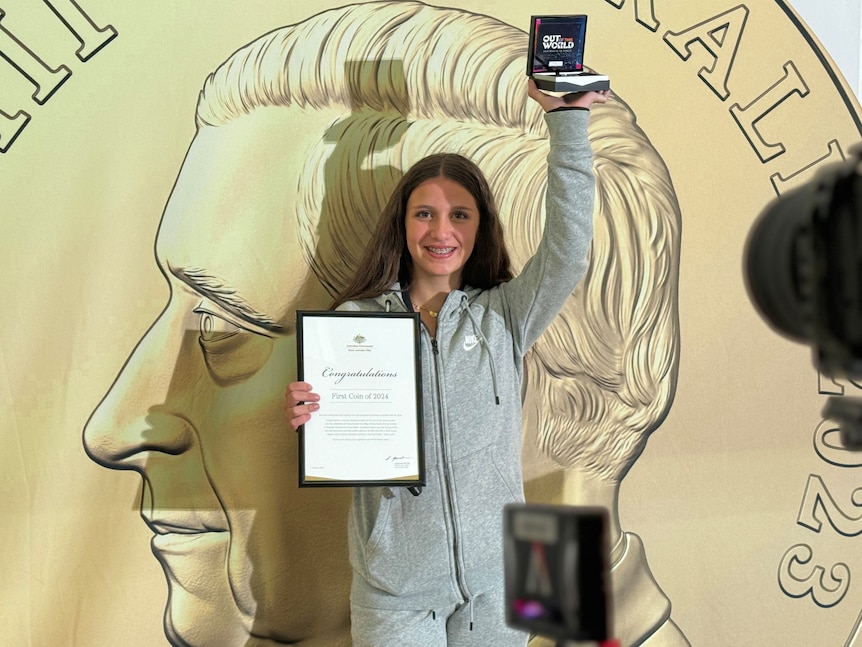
(188, 541)
(177, 534)
(191, 522)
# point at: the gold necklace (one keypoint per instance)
(431, 313)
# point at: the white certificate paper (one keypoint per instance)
(368, 430)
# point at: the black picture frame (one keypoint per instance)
(373, 340)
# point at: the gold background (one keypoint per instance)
(715, 495)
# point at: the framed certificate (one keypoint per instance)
(366, 368)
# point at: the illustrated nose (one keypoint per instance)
(137, 416)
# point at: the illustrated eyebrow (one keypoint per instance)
(227, 297)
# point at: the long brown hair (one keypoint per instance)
(386, 258)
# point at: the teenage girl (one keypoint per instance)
(428, 568)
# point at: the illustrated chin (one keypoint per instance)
(188, 625)
(200, 609)
(194, 622)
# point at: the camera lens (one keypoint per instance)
(776, 253)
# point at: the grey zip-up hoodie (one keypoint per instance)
(446, 545)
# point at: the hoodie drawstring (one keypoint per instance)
(466, 307)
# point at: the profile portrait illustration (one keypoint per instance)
(301, 136)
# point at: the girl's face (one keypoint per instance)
(441, 223)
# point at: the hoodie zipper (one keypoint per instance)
(447, 481)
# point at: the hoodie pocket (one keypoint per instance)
(407, 546)
(485, 486)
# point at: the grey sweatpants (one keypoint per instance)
(442, 628)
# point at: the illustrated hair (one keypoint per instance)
(412, 80)
(416, 60)
(606, 369)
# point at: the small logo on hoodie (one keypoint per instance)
(470, 342)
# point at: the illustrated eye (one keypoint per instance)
(213, 328)
(230, 357)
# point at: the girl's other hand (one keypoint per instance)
(299, 403)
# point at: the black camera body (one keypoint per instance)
(803, 267)
(557, 571)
